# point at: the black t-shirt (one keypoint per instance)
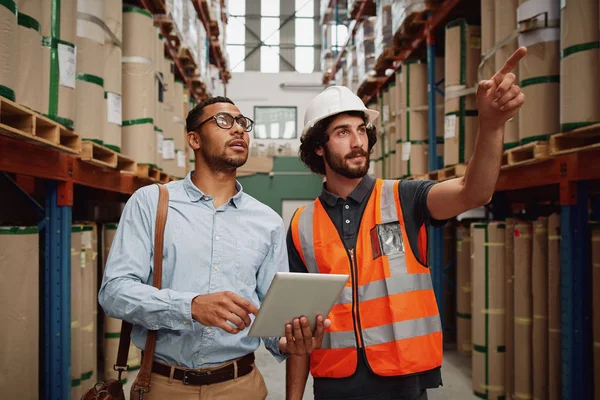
(346, 216)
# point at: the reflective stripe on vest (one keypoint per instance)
(384, 334)
(305, 226)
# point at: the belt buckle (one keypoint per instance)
(191, 372)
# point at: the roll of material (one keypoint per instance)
(139, 141)
(76, 311)
(90, 20)
(8, 48)
(488, 36)
(178, 114)
(138, 91)
(169, 79)
(487, 241)
(29, 63)
(64, 15)
(20, 312)
(138, 33)
(505, 23)
(58, 80)
(113, 18)
(539, 72)
(90, 105)
(159, 52)
(460, 129)
(32, 8)
(580, 64)
(463, 53)
(509, 301)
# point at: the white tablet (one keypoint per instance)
(292, 295)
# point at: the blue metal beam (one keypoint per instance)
(436, 235)
(576, 299)
(57, 295)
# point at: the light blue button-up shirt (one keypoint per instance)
(238, 247)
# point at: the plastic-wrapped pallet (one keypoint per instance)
(59, 69)
(579, 64)
(406, 10)
(139, 96)
(89, 93)
(28, 83)
(463, 44)
(189, 31)
(487, 241)
(463, 288)
(8, 48)
(539, 72)
(505, 25)
(19, 311)
(113, 74)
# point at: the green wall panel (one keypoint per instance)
(271, 190)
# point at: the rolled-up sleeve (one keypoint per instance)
(275, 261)
(126, 291)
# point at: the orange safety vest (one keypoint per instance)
(388, 306)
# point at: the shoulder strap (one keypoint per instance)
(143, 379)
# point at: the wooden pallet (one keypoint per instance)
(452, 172)
(93, 153)
(412, 24)
(385, 61)
(24, 124)
(148, 172)
(582, 139)
(163, 177)
(126, 165)
(526, 154)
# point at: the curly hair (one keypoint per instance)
(317, 137)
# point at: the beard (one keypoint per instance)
(219, 161)
(339, 163)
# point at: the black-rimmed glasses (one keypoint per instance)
(225, 121)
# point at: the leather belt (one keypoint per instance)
(207, 377)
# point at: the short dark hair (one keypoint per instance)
(317, 137)
(194, 116)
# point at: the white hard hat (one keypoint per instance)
(334, 100)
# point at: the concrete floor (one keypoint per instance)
(456, 375)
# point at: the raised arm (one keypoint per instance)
(498, 100)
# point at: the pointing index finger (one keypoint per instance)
(511, 63)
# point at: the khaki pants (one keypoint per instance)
(248, 387)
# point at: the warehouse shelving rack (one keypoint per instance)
(572, 178)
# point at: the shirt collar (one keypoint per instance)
(358, 194)
(195, 194)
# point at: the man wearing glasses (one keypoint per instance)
(222, 249)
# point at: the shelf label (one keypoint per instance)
(168, 149)
(406, 151)
(86, 240)
(449, 126)
(67, 57)
(181, 158)
(113, 107)
(160, 139)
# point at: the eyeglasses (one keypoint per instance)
(225, 121)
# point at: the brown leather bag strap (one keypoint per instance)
(142, 383)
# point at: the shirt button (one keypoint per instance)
(206, 198)
(185, 322)
(347, 207)
(217, 238)
(208, 330)
(202, 360)
(216, 268)
(347, 221)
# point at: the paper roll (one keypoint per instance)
(8, 49)
(29, 63)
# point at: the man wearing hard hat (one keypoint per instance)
(385, 338)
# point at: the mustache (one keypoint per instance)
(234, 139)
(357, 153)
